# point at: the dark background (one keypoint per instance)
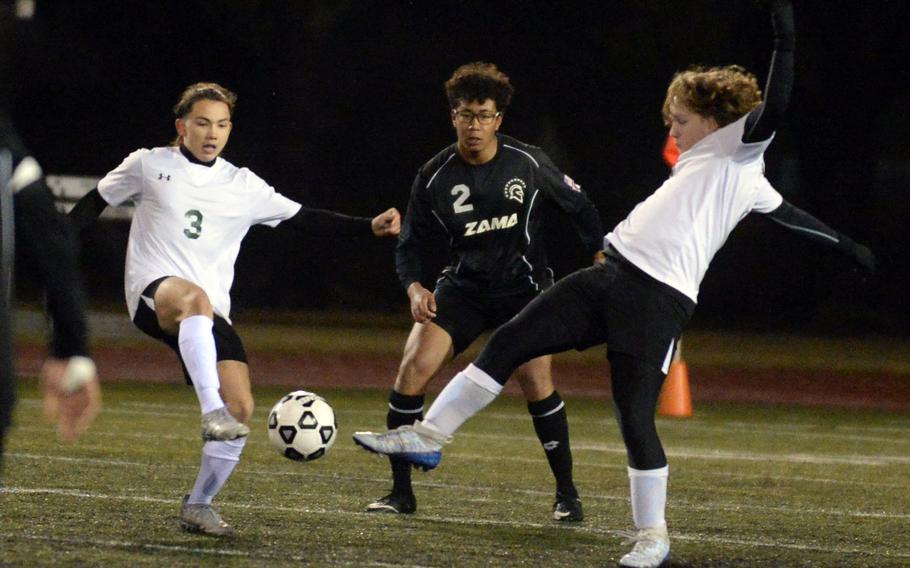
(341, 101)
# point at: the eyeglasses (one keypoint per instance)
(467, 117)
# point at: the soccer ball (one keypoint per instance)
(302, 426)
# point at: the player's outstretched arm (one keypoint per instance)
(806, 225)
(764, 119)
(324, 222)
(87, 210)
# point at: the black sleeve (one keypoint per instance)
(808, 226)
(46, 235)
(324, 222)
(569, 196)
(87, 210)
(415, 229)
(763, 120)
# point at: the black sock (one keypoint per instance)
(403, 410)
(552, 429)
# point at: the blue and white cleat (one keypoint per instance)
(416, 444)
(651, 550)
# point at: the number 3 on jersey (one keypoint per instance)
(195, 218)
(463, 192)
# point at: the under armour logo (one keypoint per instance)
(164, 177)
(551, 445)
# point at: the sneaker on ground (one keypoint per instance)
(204, 519)
(414, 443)
(394, 503)
(651, 550)
(220, 425)
(567, 509)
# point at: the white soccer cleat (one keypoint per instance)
(220, 425)
(416, 444)
(651, 550)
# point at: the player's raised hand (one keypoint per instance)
(387, 223)
(423, 303)
(72, 395)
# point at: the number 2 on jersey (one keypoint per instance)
(195, 217)
(463, 192)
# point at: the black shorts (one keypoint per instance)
(618, 304)
(228, 346)
(465, 314)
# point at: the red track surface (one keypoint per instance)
(150, 362)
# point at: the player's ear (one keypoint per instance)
(180, 126)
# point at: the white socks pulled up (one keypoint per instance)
(469, 392)
(197, 349)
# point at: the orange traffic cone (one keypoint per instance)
(675, 398)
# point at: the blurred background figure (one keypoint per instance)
(72, 396)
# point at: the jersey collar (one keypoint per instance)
(193, 159)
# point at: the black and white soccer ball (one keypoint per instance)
(302, 426)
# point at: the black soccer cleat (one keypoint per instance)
(395, 504)
(567, 509)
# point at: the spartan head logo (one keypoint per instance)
(515, 190)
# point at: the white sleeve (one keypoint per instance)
(767, 198)
(124, 183)
(269, 207)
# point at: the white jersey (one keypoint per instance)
(673, 234)
(189, 219)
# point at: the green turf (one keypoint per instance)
(750, 486)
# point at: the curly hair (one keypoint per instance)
(479, 81)
(204, 91)
(722, 93)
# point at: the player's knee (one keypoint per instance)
(194, 301)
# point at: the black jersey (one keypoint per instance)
(491, 214)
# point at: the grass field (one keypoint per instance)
(749, 486)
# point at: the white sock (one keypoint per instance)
(218, 462)
(649, 496)
(197, 348)
(466, 394)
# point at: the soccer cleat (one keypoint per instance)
(651, 550)
(567, 509)
(204, 519)
(220, 425)
(413, 443)
(394, 503)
